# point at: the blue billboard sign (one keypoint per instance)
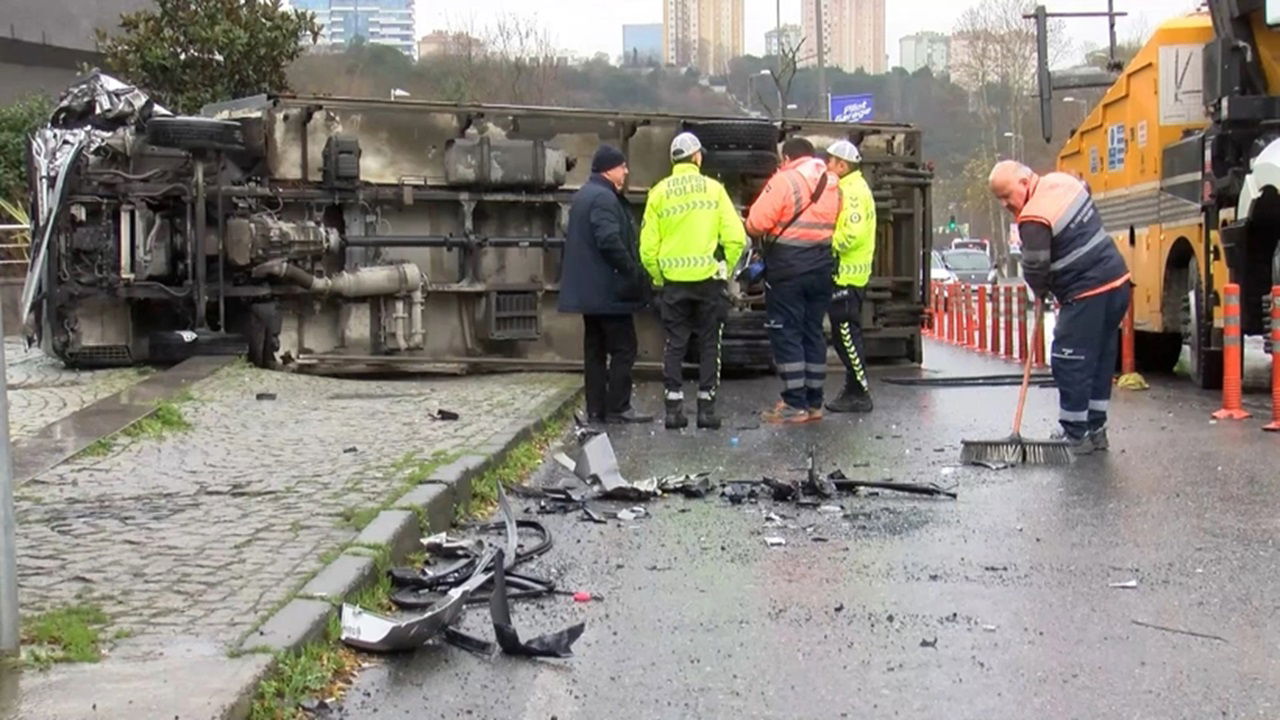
(853, 108)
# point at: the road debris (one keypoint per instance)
(631, 514)
(738, 492)
(697, 485)
(446, 589)
(265, 396)
(929, 643)
(444, 415)
(1180, 631)
(843, 483)
(775, 541)
(1126, 585)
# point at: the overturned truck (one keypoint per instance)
(329, 234)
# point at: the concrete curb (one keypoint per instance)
(397, 530)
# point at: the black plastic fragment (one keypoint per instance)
(782, 491)
(470, 643)
(443, 414)
(558, 644)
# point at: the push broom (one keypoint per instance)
(1016, 450)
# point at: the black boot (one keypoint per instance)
(675, 415)
(852, 399)
(707, 414)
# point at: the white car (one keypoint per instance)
(939, 272)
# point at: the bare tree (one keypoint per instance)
(526, 58)
(996, 62)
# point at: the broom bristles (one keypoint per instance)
(975, 452)
(1015, 451)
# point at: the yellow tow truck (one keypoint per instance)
(1182, 155)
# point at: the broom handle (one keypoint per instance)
(1026, 372)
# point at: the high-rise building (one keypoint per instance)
(642, 44)
(925, 49)
(852, 34)
(791, 36)
(705, 34)
(383, 22)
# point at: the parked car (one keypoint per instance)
(970, 266)
(938, 272)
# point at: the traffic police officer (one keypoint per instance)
(691, 235)
(854, 245)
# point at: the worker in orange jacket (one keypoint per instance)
(793, 221)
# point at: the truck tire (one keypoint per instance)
(757, 163)
(736, 135)
(1206, 363)
(195, 133)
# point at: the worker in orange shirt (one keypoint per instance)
(1067, 253)
(793, 221)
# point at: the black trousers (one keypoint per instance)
(689, 308)
(608, 354)
(846, 335)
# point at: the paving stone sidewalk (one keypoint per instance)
(42, 391)
(203, 533)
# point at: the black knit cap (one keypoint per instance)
(607, 158)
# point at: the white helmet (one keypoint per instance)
(846, 151)
(684, 146)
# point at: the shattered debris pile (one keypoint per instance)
(472, 571)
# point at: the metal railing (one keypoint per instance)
(13, 254)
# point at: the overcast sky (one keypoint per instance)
(590, 26)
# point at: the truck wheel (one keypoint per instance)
(757, 163)
(736, 134)
(195, 133)
(1206, 363)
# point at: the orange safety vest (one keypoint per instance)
(789, 190)
(1082, 258)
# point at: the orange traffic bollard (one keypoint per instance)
(1274, 425)
(1232, 409)
(1023, 347)
(948, 297)
(1127, 362)
(995, 320)
(982, 318)
(970, 322)
(1008, 321)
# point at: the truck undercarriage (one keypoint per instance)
(332, 234)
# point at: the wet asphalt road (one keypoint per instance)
(996, 605)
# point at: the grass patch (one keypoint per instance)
(320, 670)
(167, 418)
(515, 468)
(69, 634)
(101, 447)
(359, 518)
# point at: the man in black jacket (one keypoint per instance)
(602, 279)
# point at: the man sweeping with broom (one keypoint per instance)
(1067, 253)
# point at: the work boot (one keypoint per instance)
(1078, 446)
(852, 399)
(784, 414)
(707, 414)
(675, 415)
(1099, 438)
